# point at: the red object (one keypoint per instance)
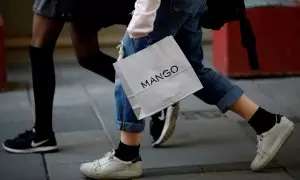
(277, 31)
(3, 70)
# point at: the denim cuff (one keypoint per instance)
(130, 127)
(230, 98)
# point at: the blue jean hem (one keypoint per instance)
(230, 98)
(130, 127)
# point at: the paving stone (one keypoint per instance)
(19, 74)
(293, 170)
(78, 147)
(192, 103)
(23, 74)
(199, 142)
(289, 156)
(13, 100)
(102, 98)
(16, 115)
(73, 74)
(65, 171)
(13, 128)
(253, 90)
(67, 95)
(98, 92)
(245, 175)
(13, 122)
(74, 174)
(207, 61)
(21, 166)
(284, 92)
(70, 95)
(105, 106)
(75, 118)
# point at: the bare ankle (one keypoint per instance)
(244, 107)
(130, 138)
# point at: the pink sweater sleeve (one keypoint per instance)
(143, 17)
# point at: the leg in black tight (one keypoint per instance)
(44, 36)
(85, 42)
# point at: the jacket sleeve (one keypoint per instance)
(143, 18)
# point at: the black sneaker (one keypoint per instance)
(162, 125)
(29, 142)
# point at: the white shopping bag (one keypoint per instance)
(156, 77)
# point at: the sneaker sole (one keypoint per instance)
(31, 150)
(281, 143)
(169, 127)
(116, 175)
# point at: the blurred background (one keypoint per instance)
(17, 15)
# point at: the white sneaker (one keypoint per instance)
(110, 167)
(270, 142)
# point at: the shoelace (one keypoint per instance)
(260, 139)
(107, 157)
(24, 134)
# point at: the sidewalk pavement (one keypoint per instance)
(207, 145)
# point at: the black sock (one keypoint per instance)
(43, 79)
(262, 121)
(100, 64)
(126, 152)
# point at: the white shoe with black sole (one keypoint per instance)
(163, 124)
(270, 142)
(29, 142)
